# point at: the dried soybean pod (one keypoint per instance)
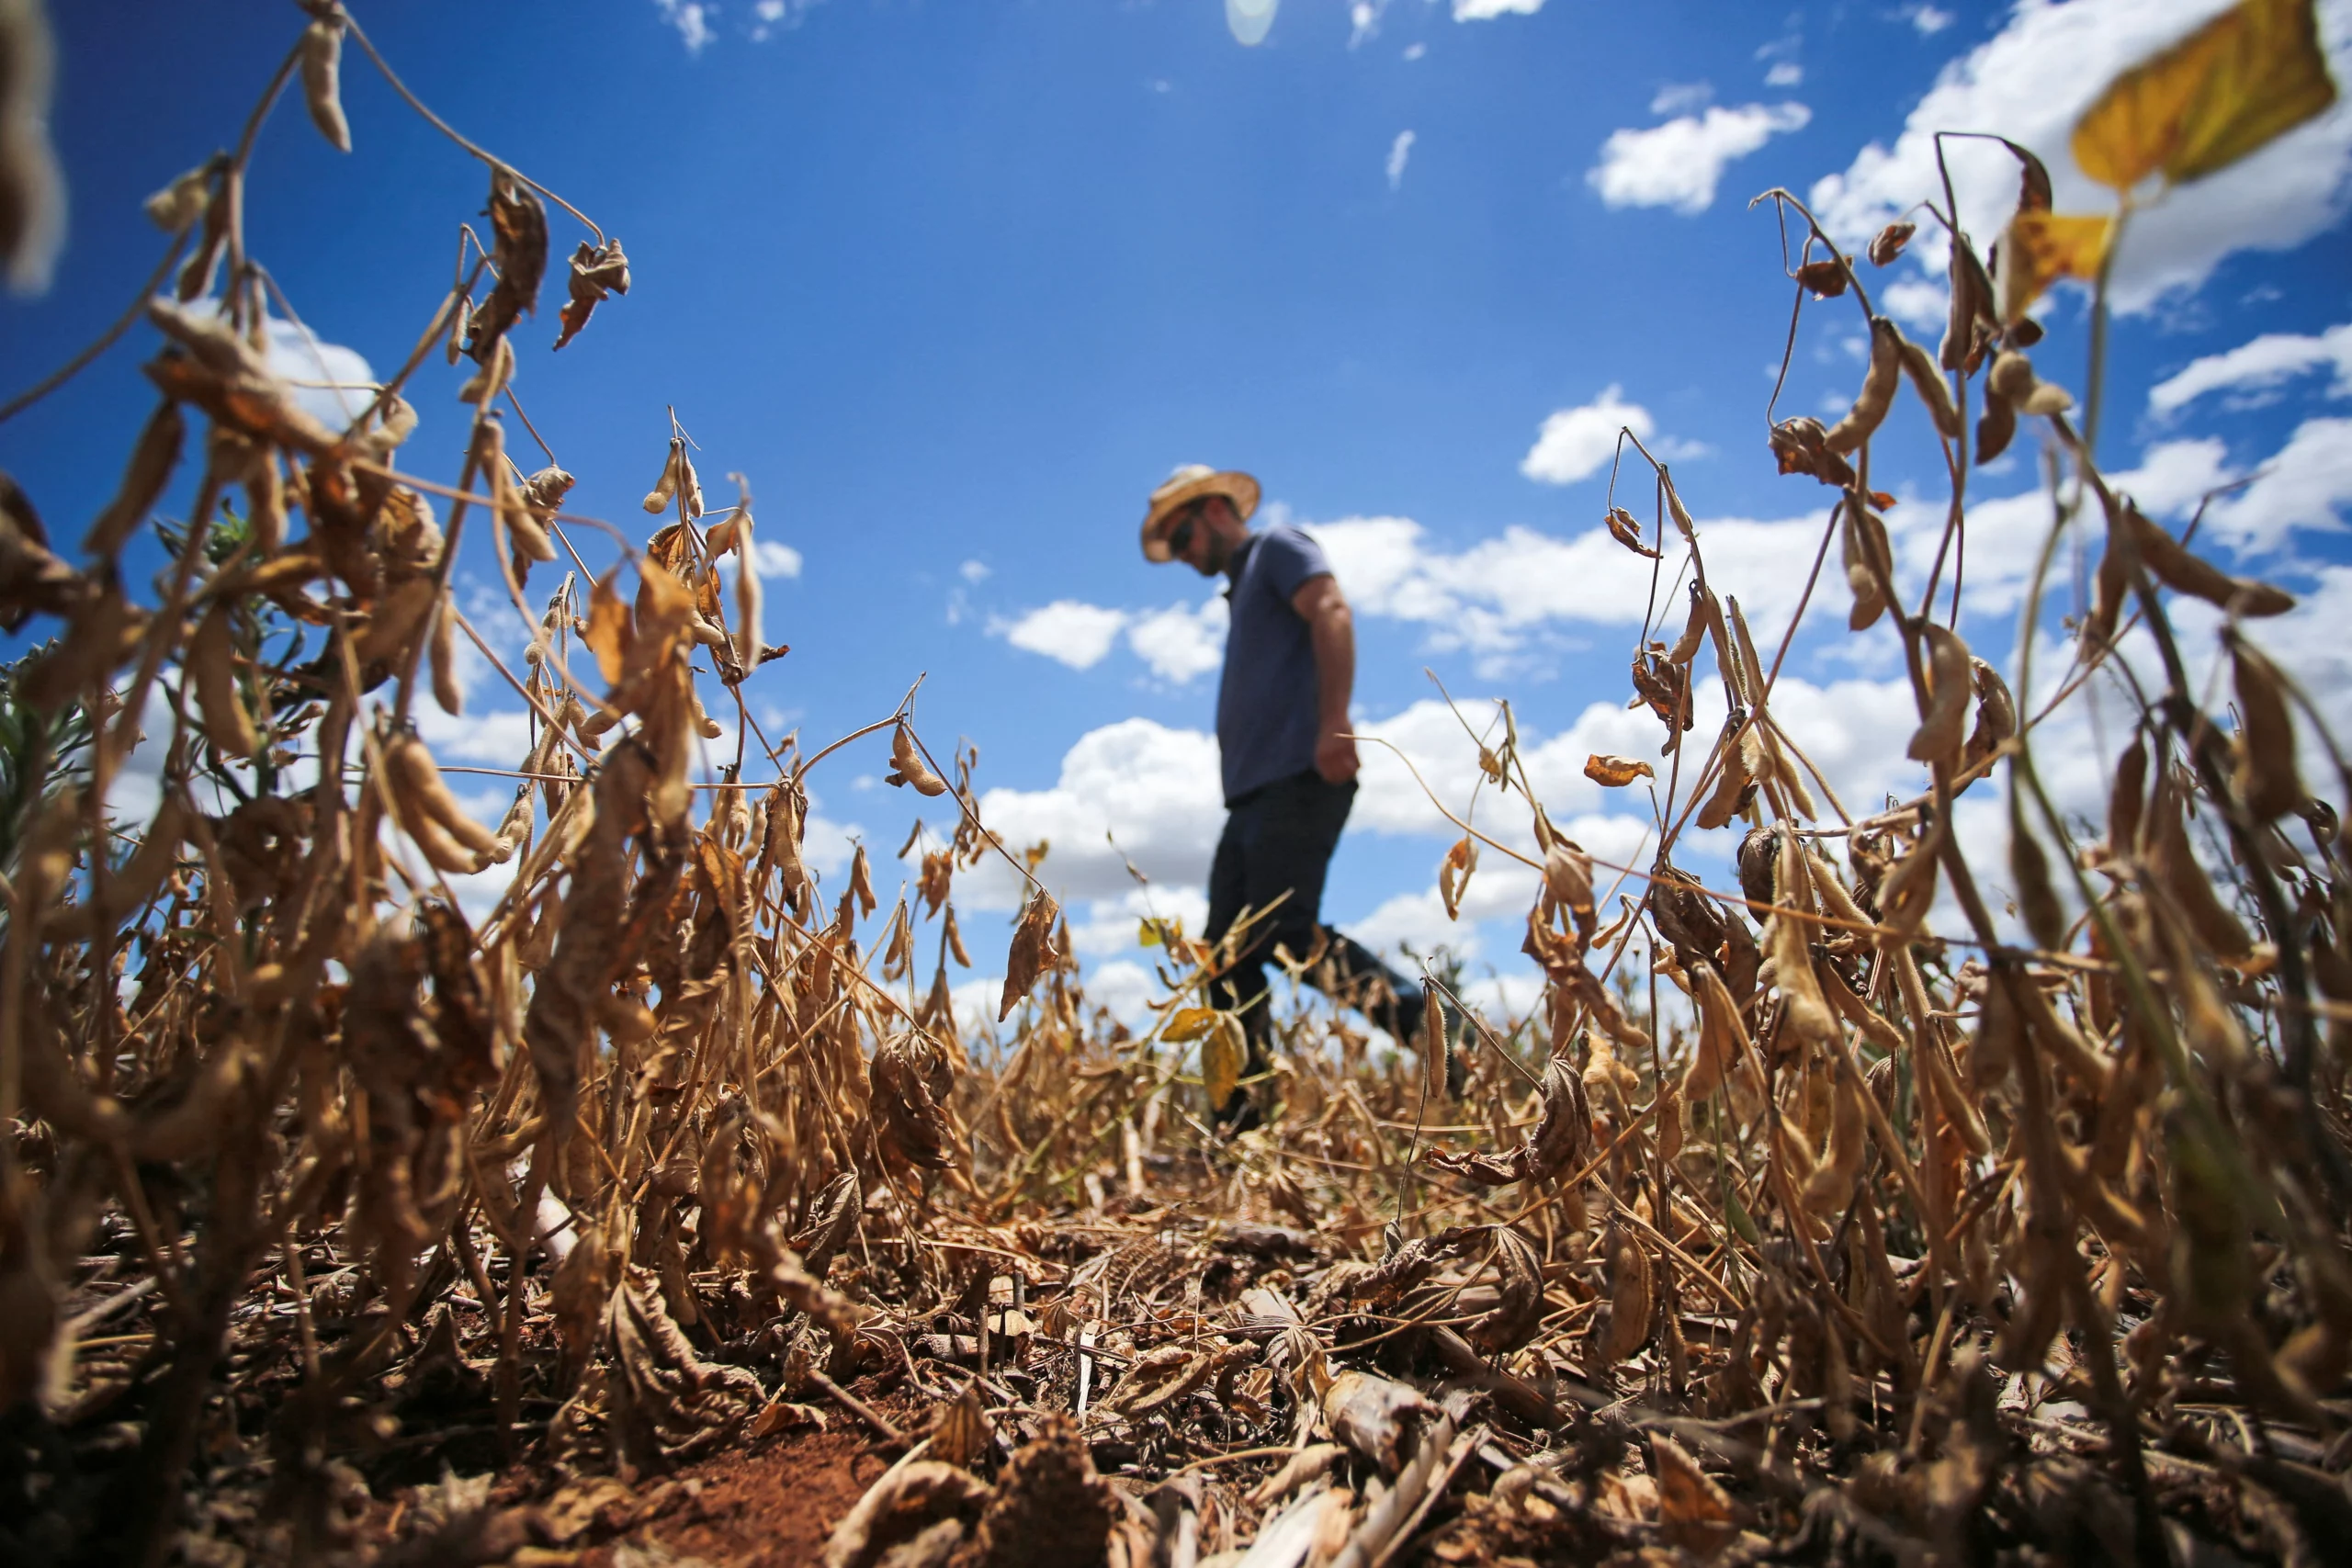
(1927, 380)
(1731, 789)
(441, 850)
(2175, 864)
(1889, 241)
(212, 660)
(659, 496)
(322, 87)
(1680, 513)
(152, 461)
(2037, 902)
(1878, 390)
(2173, 565)
(1694, 630)
(1996, 427)
(1996, 714)
(417, 780)
(1870, 563)
(2264, 779)
(1972, 296)
(444, 649)
(747, 587)
(181, 203)
(1807, 1012)
(1628, 1323)
(956, 939)
(1831, 1186)
(1908, 891)
(1939, 736)
(1433, 1046)
(265, 501)
(2128, 797)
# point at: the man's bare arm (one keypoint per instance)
(1332, 628)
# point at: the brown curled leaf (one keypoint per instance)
(1033, 950)
(1558, 1143)
(1627, 531)
(1799, 445)
(1616, 773)
(1826, 277)
(519, 223)
(598, 273)
(1888, 242)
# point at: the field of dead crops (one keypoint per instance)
(1835, 1209)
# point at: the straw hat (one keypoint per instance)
(1190, 483)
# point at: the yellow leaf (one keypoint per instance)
(2039, 248)
(1189, 1024)
(2228, 89)
(1148, 934)
(1222, 1055)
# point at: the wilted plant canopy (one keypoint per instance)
(1877, 1221)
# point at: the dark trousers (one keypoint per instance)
(1279, 840)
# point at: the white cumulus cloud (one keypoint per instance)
(1180, 642)
(1069, 630)
(1784, 74)
(1678, 164)
(1500, 596)
(2259, 365)
(2307, 485)
(775, 558)
(1487, 10)
(691, 19)
(2030, 83)
(1575, 444)
(1680, 97)
(1154, 788)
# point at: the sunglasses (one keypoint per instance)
(1179, 537)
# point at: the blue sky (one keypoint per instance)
(956, 283)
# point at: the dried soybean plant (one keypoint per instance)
(347, 1220)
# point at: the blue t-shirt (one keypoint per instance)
(1265, 699)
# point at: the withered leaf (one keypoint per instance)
(519, 223)
(1888, 242)
(1627, 531)
(598, 273)
(1616, 773)
(1032, 952)
(1826, 277)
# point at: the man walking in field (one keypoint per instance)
(1288, 763)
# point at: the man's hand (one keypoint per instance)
(1335, 756)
